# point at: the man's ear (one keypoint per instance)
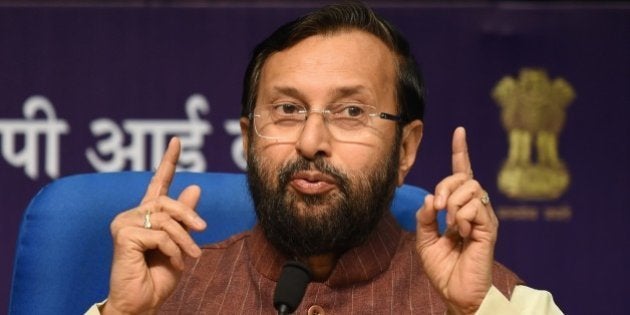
(245, 134)
(409, 145)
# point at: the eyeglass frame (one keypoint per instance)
(324, 112)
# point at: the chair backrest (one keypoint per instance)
(64, 247)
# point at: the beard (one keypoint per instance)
(333, 222)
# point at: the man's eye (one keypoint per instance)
(286, 109)
(353, 111)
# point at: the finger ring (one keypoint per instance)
(485, 199)
(147, 220)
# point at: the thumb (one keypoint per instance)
(190, 197)
(427, 230)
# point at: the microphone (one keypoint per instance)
(291, 286)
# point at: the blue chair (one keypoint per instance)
(64, 247)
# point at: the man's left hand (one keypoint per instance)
(458, 262)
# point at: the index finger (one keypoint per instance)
(161, 180)
(460, 158)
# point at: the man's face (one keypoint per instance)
(320, 195)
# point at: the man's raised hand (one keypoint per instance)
(148, 258)
(458, 262)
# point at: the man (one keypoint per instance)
(331, 122)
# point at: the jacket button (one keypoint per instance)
(316, 310)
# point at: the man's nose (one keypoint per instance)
(314, 140)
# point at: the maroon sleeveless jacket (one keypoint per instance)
(382, 276)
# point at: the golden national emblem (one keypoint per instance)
(533, 113)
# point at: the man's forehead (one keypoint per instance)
(337, 91)
(352, 62)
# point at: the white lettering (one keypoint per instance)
(31, 128)
(115, 155)
(233, 128)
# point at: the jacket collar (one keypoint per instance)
(361, 263)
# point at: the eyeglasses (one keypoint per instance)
(283, 122)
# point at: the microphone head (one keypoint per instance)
(291, 286)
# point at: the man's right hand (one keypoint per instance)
(148, 262)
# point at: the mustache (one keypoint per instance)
(318, 164)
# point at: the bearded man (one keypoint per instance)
(332, 120)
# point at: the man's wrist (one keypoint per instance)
(471, 308)
(108, 309)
